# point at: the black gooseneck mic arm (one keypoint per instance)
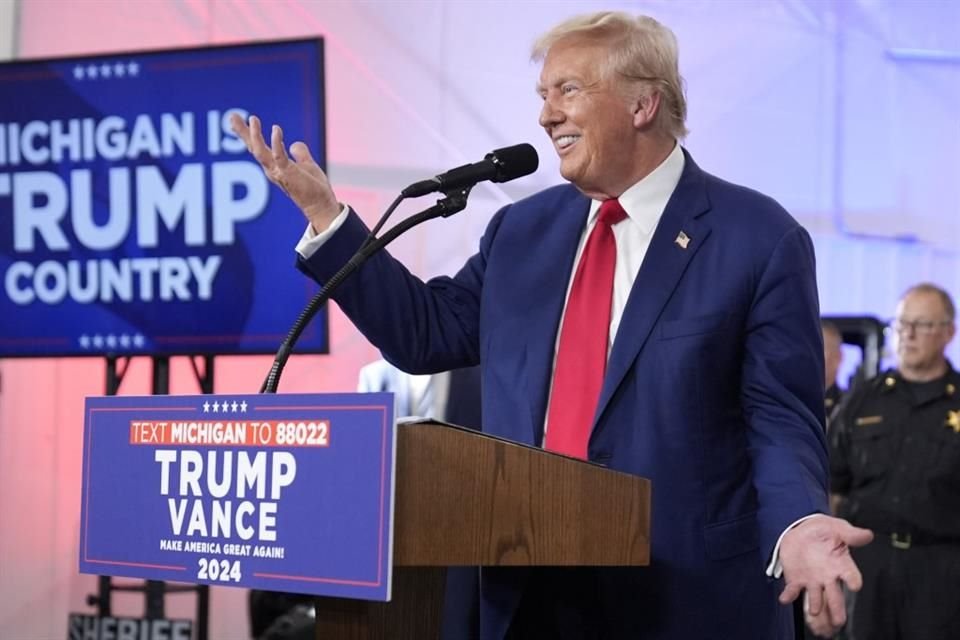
(455, 200)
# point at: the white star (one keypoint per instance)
(138, 340)
(133, 68)
(225, 406)
(119, 70)
(243, 406)
(85, 341)
(233, 406)
(78, 72)
(206, 407)
(124, 341)
(98, 341)
(92, 71)
(111, 341)
(216, 407)
(106, 70)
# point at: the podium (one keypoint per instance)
(466, 498)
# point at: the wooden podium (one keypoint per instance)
(465, 498)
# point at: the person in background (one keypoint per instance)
(895, 469)
(832, 358)
(450, 396)
(646, 316)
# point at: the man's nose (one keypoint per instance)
(549, 114)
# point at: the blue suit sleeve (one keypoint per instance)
(782, 389)
(420, 327)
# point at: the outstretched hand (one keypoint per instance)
(299, 176)
(816, 561)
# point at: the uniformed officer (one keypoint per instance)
(895, 463)
(832, 357)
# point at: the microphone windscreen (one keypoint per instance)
(514, 162)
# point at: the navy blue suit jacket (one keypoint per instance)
(713, 389)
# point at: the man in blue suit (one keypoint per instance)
(710, 373)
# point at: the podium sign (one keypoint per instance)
(277, 492)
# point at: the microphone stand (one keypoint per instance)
(453, 202)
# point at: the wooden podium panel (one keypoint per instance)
(465, 498)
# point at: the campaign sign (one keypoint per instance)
(133, 221)
(288, 492)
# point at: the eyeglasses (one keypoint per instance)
(921, 327)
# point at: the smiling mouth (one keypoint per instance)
(565, 142)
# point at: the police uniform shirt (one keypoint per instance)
(895, 456)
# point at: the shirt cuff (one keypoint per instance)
(311, 241)
(775, 569)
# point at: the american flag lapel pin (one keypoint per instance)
(683, 240)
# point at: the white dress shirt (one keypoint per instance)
(428, 395)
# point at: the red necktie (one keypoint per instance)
(582, 353)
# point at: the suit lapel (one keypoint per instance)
(659, 274)
(562, 235)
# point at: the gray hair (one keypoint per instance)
(641, 49)
(929, 287)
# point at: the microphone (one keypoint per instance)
(500, 165)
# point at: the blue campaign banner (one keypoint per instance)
(277, 492)
(133, 221)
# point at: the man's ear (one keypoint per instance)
(645, 109)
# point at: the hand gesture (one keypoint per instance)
(300, 177)
(815, 556)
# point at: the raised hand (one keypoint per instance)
(816, 561)
(300, 177)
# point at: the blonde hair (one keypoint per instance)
(641, 49)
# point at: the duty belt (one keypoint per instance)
(900, 540)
